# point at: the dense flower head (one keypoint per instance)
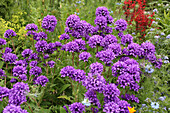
(27, 52)
(35, 71)
(41, 80)
(33, 56)
(13, 109)
(135, 50)
(120, 34)
(124, 80)
(109, 19)
(126, 39)
(111, 93)
(118, 68)
(41, 46)
(81, 43)
(9, 57)
(96, 68)
(64, 37)
(51, 64)
(32, 33)
(50, 48)
(2, 42)
(9, 33)
(49, 23)
(46, 56)
(57, 44)
(17, 95)
(8, 50)
(101, 21)
(79, 75)
(31, 27)
(158, 63)
(106, 56)
(84, 56)
(108, 39)
(107, 30)
(72, 47)
(116, 48)
(41, 36)
(102, 11)
(72, 21)
(3, 92)
(92, 97)
(20, 72)
(33, 63)
(148, 47)
(95, 40)
(21, 63)
(2, 73)
(123, 105)
(67, 71)
(77, 107)
(95, 83)
(121, 25)
(111, 107)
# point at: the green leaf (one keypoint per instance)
(1, 64)
(65, 97)
(64, 87)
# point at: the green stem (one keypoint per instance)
(73, 59)
(41, 96)
(29, 107)
(13, 45)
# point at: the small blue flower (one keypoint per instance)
(78, 2)
(148, 100)
(165, 57)
(118, 3)
(166, 61)
(162, 98)
(144, 105)
(156, 37)
(152, 29)
(155, 10)
(154, 22)
(86, 102)
(151, 70)
(162, 33)
(111, 11)
(158, 19)
(168, 36)
(134, 33)
(155, 105)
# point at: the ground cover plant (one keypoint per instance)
(82, 66)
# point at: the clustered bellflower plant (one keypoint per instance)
(102, 72)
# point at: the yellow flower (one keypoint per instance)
(59, 36)
(131, 110)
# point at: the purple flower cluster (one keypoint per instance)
(17, 95)
(120, 34)
(40, 36)
(116, 48)
(71, 46)
(111, 93)
(41, 80)
(33, 56)
(64, 37)
(72, 21)
(128, 71)
(130, 97)
(74, 74)
(9, 57)
(121, 25)
(77, 107)
(81, 43)
(2, 42)
(9, 33)
(31, 27)
(20, 72)
(107, 40)
(13, 109)
(21, 63)
(126, 39)
(2, 73)
(94, 82)
(92, 97)
(102, 11)
(96, 68)
(51, 64)
(49, 23)
(101, 21)
(33, 63)
(27, 52)
(8, 50)
(95, 40)
(106, 56)
(35, 71)
(4, 92)
(84, 56)
(41, 46)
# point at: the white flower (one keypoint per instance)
(86, 102)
